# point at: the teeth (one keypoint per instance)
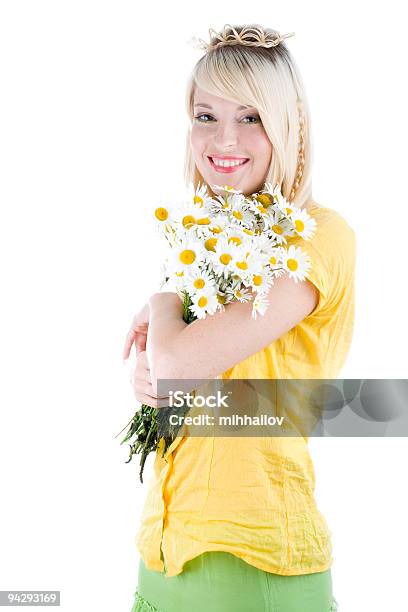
(226, 163)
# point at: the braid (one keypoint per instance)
(251, 36)
(301, 155)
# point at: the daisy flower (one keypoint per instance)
(189, 216)
(199, 281)
(203, 303)
(275, 255)
(261, 281)
(221, 258)
(259, 305)
(235, 235)
(296, 263)
(240, 294)
(164, 219)
(186, 255)
(277, 196)
(264, 243)
(218, 224)
(304, 224)
(239, 211)
(245, 263)
(199, 196)
(228, 202)
(277, 231)
(268, 215)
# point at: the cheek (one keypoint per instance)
(257, 143)
(197, 140)
(263, 149)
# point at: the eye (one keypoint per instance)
(202, 115)
(256, 118)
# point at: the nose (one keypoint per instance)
(226, 136)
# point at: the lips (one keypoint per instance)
(229, 169)
(233, 157)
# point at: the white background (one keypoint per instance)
(92, 135)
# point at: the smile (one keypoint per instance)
(227, 165)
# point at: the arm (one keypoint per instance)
(207, 347)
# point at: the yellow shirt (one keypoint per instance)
(254, 496)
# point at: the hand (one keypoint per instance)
(142, 384)
(137, 333)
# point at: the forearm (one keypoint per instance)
(165, 324)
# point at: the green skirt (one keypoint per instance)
(218, 581)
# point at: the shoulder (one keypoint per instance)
(331, 250)
(330, 223)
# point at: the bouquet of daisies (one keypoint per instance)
(222, 249)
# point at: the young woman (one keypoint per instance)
(231, 524)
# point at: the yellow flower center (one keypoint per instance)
(203, 221)
(180, 273)
(272, 260)
(235, 239)
(198, 200)
(221, 298)
(188, 221)
(225, 258)
(216, 229)
(262, 209)
(257, 279)
(187, 256)
(210, 244)
(289, 211)
(264, 199)
(161, 213)
(238, 293)
(199, 283)
(237, 214)
(292, 264)
(299, 225)
(242, 265)
(202, 301)
(277, 229)
(247, 231)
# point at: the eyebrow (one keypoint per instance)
(208, 106)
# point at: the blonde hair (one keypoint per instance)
(251, 65)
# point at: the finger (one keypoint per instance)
(139, 387)
(140, 343)
(144, 385)
(151, 400)
(139, 326)
(128, 344)
(135, 330)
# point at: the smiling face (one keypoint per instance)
(224, 133)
